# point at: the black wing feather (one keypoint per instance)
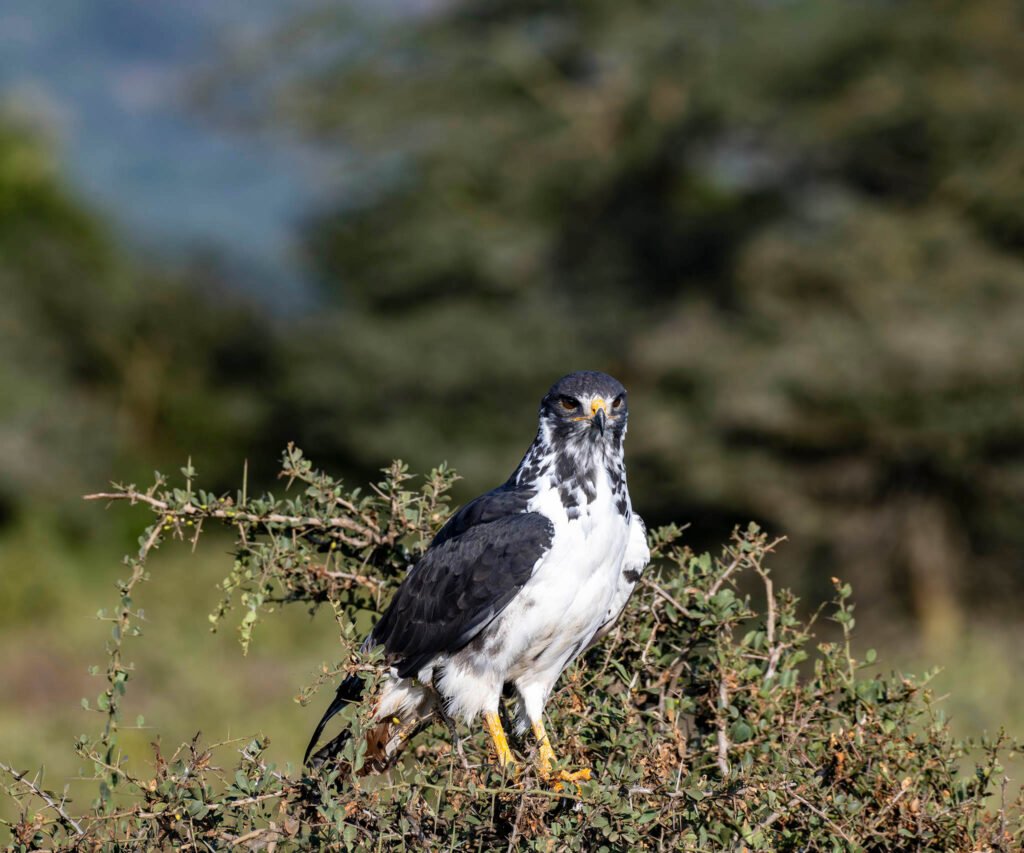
(508, 499)
(474, 567)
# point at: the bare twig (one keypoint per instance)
(723, 737)
(151, 541)
(774, 816)
(363, 580)
(889, 806)
(222, 806)
(738, 560)
(338, 523)
(513, 840)
(651, 585)
(249, 836)
(722, 578)
(835, 827)
(774, 652)
(1002, 810)
(769, 592)
(22, 778)
(649, 643)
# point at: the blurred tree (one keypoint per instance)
(106, 366)
(795, 231)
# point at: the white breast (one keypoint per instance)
(567, 599)
(572, 592)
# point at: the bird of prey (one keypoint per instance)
(515, 586)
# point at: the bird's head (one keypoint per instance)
(586, 406)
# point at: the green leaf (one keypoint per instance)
(740, 732)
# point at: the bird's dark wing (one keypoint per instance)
(474, 567)
(499, 503)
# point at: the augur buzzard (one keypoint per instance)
(514, 587)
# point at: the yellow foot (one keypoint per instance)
(582, 775)
(546, 757)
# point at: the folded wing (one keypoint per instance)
(475, 566)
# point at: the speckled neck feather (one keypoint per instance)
(572, 465)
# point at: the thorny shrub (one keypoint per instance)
(712, 718)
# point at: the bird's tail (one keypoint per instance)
(384, 741)
(350, 690)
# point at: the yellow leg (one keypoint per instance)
(546, 757)
(545, 754)
(497, 733)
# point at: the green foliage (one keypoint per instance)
(712, 717)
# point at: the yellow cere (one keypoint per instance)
(595, 404)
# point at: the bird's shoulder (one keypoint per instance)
(508, 503)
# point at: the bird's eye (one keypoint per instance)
(569, 403)
(617, 402)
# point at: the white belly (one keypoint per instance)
(574, 590)
(567, 600)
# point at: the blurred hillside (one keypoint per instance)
(109, 79)
(108, 369)
(794, 230)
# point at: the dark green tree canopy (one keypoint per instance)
(794, 229)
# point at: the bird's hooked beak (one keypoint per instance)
(598, 414)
